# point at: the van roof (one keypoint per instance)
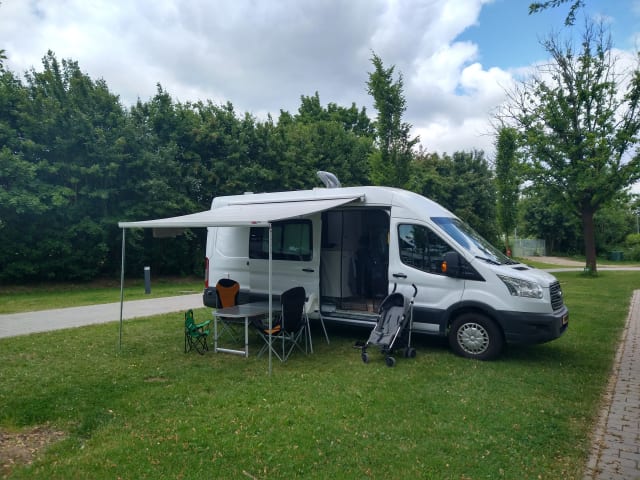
(373, 195)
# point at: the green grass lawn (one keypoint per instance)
(47, 296)
(154, 412)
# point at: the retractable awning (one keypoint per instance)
(238, 214)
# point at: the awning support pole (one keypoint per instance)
(270, 299)
(121, 289)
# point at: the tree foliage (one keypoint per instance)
(508, 178)
(61, 143)
(536, 7)
(580, 131)
(390, 163)
(463, 183)
(541, 216)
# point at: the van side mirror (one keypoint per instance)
(451, 264)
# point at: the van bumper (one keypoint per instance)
(531, 328)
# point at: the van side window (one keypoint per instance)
(421, 248)
(292, 240)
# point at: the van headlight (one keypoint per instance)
(521, 288)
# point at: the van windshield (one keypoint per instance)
(470, 240)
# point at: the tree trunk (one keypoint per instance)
(589, 240)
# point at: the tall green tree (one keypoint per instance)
(507, 181)
(390, 165)
(580, 130)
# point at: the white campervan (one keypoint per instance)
(350, 246)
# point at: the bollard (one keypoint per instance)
(147, 280)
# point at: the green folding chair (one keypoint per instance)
(195, 334)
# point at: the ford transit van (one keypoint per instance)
(349, 247)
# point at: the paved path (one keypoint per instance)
(615, 453)
(15, 324)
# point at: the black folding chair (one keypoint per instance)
(290, 327)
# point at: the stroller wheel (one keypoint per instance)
(365, 357)
(410, 352)
(390, 361)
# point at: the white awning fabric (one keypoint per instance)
(237, 214)
(244, 214)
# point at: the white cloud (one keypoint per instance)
(442, 69)
(442, 135)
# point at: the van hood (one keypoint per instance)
(545, 279)
(522, 271)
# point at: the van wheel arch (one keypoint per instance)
(476, 335)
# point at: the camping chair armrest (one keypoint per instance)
(203, 324)
(262, 326)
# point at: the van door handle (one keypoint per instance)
(400, 275)
(310, 270)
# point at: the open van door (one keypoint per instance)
(295, 256)
(354, 264)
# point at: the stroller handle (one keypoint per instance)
(415, 289)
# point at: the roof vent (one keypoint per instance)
(329, 179)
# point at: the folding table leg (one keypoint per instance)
(215, 334)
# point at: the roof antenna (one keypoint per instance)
(329, 179)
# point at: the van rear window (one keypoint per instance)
(291, 240)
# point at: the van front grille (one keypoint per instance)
(557, 301)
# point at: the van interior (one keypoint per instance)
(354, 261)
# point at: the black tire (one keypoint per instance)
(410, 352)
(473, 335)
(390, 361)
(365, 357)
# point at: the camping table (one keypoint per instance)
(240, 313)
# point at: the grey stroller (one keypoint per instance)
(393, 328)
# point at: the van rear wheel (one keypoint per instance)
(474, 335)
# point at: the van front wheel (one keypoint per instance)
(474, 335)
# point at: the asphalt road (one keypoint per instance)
(14, 324)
